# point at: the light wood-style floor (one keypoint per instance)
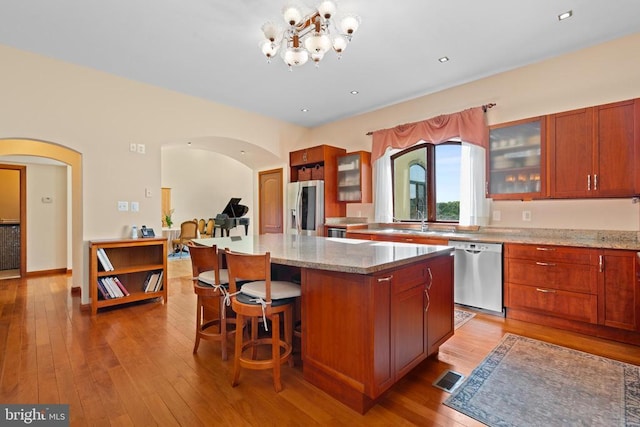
(134, 365)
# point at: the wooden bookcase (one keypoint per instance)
(133, 260)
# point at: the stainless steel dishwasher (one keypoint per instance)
(478, 275)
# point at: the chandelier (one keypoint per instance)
(308, 37)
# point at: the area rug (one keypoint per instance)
(460, 317)
(178, 255)
(525, 382)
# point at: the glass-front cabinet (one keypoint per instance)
(516, 160)
(354, 177)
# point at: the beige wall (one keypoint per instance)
(202, 182)
(99, 115)
(604, 73)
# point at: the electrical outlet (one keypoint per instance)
(147, 192)
(133, 147)
(123, 206)
(497, 215)
(135, 206)
(141, 149)
(526, 215)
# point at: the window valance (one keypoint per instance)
(469, 125)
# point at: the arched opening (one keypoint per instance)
(31, 147)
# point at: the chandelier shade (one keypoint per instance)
(308, 36)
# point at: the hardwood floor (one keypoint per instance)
(134, 365)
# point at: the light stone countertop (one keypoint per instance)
(606, 239)
(329, 253)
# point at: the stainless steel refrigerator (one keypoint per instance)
(305, 207)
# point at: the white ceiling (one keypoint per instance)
(209, 48)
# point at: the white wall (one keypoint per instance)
(46, 222)
(202, 182)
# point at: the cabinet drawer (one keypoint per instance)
(552, 253)
(556, 275)
(568, 305)
(409, 277)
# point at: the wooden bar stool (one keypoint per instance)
(210, 284)
(260, 299)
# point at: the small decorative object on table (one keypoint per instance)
(167, 218)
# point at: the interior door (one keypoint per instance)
(271, 201)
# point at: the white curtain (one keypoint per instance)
(383, 185)
(474, 207)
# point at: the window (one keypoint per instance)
(426, 181)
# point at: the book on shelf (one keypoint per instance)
(103, 291)
(152, 280)
(112, 287)
(104, 260)
(121, 286)
(158, 285)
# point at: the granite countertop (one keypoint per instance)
(330, 253)
(606, 239)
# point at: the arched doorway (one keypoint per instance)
(31, 147)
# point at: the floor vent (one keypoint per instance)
(448, 381)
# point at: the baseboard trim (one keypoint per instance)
(51, 272)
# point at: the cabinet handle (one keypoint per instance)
(385, 279)
(588, 182)
(546, 291)
(430, 278)
(545, 249)
(546, 264)
(595, 181)
(600, 263)
(426, 294)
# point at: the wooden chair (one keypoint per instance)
(201, 226)
(210, 284)
(188, 231)
(208, 230)
(260, 298)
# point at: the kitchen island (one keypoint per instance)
(371, 311)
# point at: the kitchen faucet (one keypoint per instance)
(423, 224)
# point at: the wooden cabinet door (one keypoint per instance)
(571, 153)
(408, 317)
(408, 326)
(440, 302)
(619, 290)
(616, 150)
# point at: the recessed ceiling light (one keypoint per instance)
(304, 110)
(443, 59)
(242, 152)
(354, 92)
(189, 143)
(565, 15)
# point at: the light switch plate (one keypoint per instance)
(123, 206)
(135, 206)
(133, 147)
(497, 215)
(526, 215)
(142, 149)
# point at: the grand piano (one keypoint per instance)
(232, 216)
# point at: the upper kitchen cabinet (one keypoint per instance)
(594, 152)
(314, 163)
(516, 169)
(320, 162)
(354, 177)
